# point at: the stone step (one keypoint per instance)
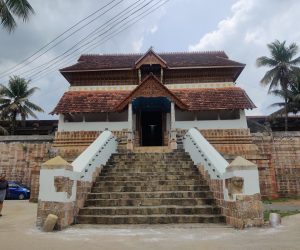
(150, 154)
(144, 157)
(150, 158)
(150, 163)
(148, 183)
(148, 177)
(149, 219)
(150, 210)
(149, 170)
(149, 202)
(150, 188)
(146, 195)
(108, 173)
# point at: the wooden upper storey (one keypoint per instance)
(170, 68)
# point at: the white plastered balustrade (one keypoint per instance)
(203, 153)
(95, 156)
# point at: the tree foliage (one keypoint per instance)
(15, 103)
(284, 70)
(9, 9)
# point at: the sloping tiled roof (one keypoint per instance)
(89, 101)
(195, 99)
(180, 59)
(215, 98)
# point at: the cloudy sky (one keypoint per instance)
(241, 28)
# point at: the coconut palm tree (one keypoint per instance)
(14, 101)
(283, 69)
(11, 8)
(293, 99)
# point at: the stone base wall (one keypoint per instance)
(284, 151)
(69, 145)
(277, 156)
(66, 212)
(21, 161)
(246, 211)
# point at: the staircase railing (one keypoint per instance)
(240, 170)
(96, 155)
(82, 169)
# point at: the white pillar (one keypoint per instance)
(139, 75)
(130, 116)
(173, 143)
(172, 116)
(130, 129)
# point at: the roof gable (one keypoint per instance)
(150, 57)
(151, 87)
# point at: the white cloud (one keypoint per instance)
(153, 29)
(137, 45)
(244, 36)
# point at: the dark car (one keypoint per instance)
(17, 191)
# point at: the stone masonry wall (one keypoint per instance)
(246, 211)
(284, 150)
(21, 161)
(277, 156)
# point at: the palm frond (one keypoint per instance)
(266, 61)
(292, 50)
(33, 106)
(4, 91)
(277, 104)
(295, 61)
(7, 20)
(269, 76)
(31, 91)
(21, 8)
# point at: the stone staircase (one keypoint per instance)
(150, 188)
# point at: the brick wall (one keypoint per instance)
(277, 156)
(284, 151)
(21, 161)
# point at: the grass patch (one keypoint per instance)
(283, 199)
(282, 213)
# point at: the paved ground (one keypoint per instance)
(17, 231)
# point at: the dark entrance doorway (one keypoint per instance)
(151, 128)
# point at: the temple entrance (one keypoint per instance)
(151, 128)
(151, 122)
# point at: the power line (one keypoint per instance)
(8, 71)
(97, 30)
(94, 45)
(93, 39)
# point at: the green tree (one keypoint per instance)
(293, 99)
(9, 9)
(283, 69)
(14, 101)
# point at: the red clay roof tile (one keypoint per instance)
(178, 59)
(195, 99)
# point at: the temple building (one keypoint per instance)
(151, 95)
(153, 138)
